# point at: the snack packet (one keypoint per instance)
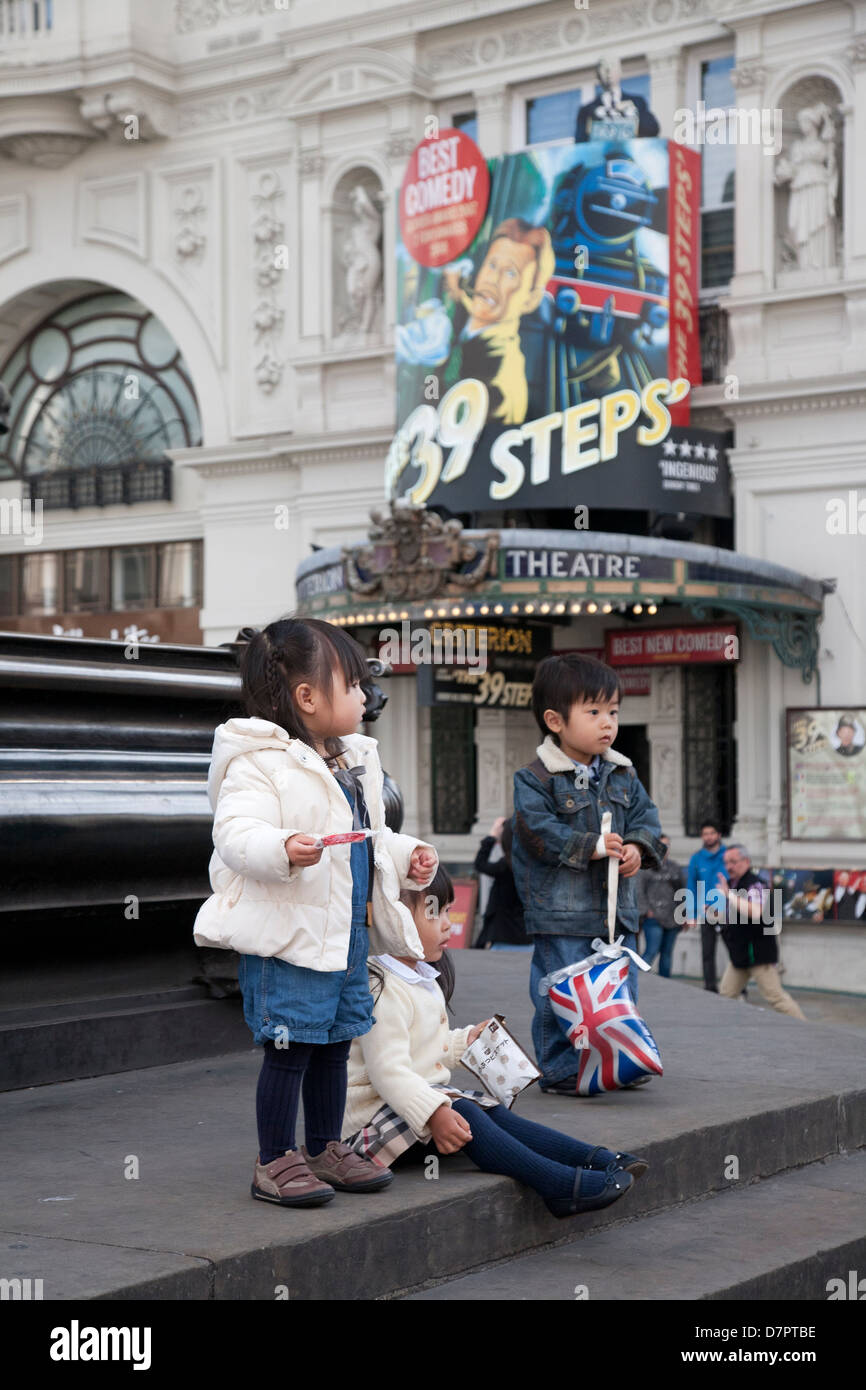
(499, 1062)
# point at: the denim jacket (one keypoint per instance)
(556, 827)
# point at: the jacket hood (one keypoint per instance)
(555, 760)
(239, 736)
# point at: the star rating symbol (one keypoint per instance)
(670, 448)
(712, 453)
(685, 449)
(700, 451)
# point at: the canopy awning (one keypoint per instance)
(415, 566)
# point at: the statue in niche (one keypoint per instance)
(362, 259)
(812, 173)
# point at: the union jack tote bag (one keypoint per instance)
(592, 1002)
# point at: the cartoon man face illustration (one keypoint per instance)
(510, 282)
(505, 284)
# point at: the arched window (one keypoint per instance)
(99, 393)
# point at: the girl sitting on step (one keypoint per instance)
(400, 1099)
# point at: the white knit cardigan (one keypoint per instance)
(409, 1048)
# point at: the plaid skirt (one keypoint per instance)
(387, 1135)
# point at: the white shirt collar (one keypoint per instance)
(421, 974)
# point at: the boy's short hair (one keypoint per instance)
(561, 681)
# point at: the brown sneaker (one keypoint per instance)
(347, 1171)
(288, 1181)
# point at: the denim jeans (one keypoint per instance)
(554, 1054)
(659, 938)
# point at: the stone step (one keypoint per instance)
(785, 1237)
(775, 1093)
(45, 1043)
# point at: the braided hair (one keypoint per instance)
(292, 652)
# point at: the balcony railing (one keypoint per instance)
(714, 342)
(26, 19)
(103, 486)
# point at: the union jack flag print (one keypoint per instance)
(614, 1044)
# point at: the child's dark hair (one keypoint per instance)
(288, 653)
(561, 681)
(436, 897)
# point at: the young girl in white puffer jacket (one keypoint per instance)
(296, 771)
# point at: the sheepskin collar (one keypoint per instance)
(556, 761)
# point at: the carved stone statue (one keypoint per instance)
(363, 263)
(811, 172)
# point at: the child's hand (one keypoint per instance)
(477, 1030)
(421, 863)
(301, 851)
(613, 845)
(497, 828)
(450, 1131)
(630, 862)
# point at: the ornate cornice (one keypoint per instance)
(44, 151)
(564, 33)
(797, 404)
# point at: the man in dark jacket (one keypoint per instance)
(503, 916)
(749, 932)
(656, 904)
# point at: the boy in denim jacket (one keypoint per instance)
(558, 853)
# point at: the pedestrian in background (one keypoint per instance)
(503, 928)
(656, 905)
(705, 866)
(753, 947)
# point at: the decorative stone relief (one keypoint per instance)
(312, 164)
(356, 256)
(400, 146)
(665, 775)
(128, 113)
(190, 211)
(44, 151)
(666, 689)
(204, 14)
(562, 35)
(269, 100)
(268, 231)
(807, 178)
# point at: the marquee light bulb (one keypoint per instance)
(529, 608)
(592, 608)
(428, 612)
(607, 608)
(638, 608)
(484, 609)
(545, 608)
(575, 608)
(652, 608)
(498, 608)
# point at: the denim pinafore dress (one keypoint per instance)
(291, 1003)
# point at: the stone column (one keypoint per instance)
(492, 760)
(753, 238)
(666, 88)
(665, 732)
(492, 109)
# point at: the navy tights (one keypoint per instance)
(544, 1159)
(318, 1070)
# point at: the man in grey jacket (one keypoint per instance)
(656, 903)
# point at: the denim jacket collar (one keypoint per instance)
(556, 761)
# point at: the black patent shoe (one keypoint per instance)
(626, 1163)
(616, 1185)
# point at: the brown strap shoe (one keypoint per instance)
(288, 1182)
(348, 1171)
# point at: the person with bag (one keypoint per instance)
(503, 927)
(560, 856)
(400, 1097)
(657, 903)
(297, 911)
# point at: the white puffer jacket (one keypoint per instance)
(265, 786)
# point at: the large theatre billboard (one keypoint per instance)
(547, 330)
